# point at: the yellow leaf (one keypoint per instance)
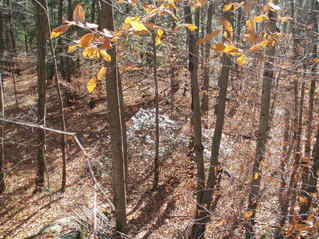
(259, 46)
(191, 27)
(78, 14)
(101, 74)
(209, 37)
(72, 48)
(59, 30)
(136, 24)
(257, 176)
(231, 50)
(91, 85)
(228, 7)
(242, 60)
(218, 47)
(228, 27)
(91, 53)
(159, 34)
(106, 56)
(260, 18)
(248, 214)
(303, 200)
(86, 40)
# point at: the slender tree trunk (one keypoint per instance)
(278, 234)
(206, 57)
(60, 100)
(157, 137)
(42, 79)
(196, 112)
(268, 75)
(2, 148)
(93, 10)
(292, 196)
(114, 105)
(308, 178)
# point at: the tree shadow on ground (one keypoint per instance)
(153, 202)
(10, 232)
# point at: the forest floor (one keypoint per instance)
(151, 214)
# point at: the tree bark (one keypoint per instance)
(206, 57)
(268, 75)
(42, 80)
(206, 205)
(114, 105)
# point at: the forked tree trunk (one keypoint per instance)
(114, 105)
(268, 75)
(207, 205)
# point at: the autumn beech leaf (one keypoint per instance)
(303, 200)
(159, 35)
(191, 27)
(257, 176)
(91, 53)
(242, 60)
(101, 74)
(136, 24)
(91, 85)
(231, 50)
(86, 40)
(56, 32)
(248, 214)
(260, 18)
(260, 45)
(228, 7)
(73, 48)
(106, 56)
(218, 47)
(228, 27)
(106, 44)
(79, 14)
(208, 37)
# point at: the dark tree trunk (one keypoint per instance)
(42, 35)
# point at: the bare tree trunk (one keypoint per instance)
(114, 105)
(2, 132)
(268, 75)
(206, 57)
(196, 112)
(278, 234)
(292, 188)
(42, 80)
(60, 100)
(306, 174)
(157, 137)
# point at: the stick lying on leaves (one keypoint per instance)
(57, 131)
